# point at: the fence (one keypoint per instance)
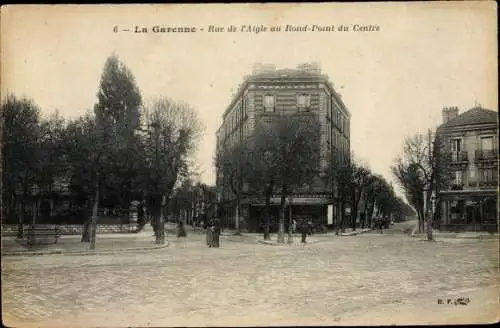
(74, 229)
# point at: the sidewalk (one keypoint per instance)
(71, 245)
(296, 241)
(355, 232)
(459, 235)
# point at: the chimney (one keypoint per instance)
(449, 113)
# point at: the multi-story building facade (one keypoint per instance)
(268, 94)
(471, 141)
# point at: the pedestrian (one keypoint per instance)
(217, 231)
(304, 229)
(380, 225)
(309, 227)
(294, 226)
(209, 226)
(140, 215)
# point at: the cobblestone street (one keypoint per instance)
(334, 281)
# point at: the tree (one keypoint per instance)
(422, 166)
(53, 167)
(172, 131)
(115, 141)
(361, 178)
(263, 170)
(82, 152)
(118, 108)
(233, 162)
(20, 135)
(294, 148)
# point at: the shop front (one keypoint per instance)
(468, 211)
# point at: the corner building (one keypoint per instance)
(268, 94)
(470, 202)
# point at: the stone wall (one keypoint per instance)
(11, 229)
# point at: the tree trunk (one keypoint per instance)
(95, 213)
(33, 212)
(290, 238)
(420, 216)
(20, 226)
(160, 223)
(337, 223)
(354, 216)
(281, 228)
(86, 232)
(237, 215)
(342, 218)
(266, 215)
(429, 227)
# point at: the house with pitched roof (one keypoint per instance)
(470, 200)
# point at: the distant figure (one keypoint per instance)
(294, 226)
(304, 229)
(140, 215)
(210, 228)
(217, 231)
(380, 222)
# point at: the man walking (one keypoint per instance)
(304, 229)
(209, 228)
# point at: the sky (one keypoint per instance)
(394, 81)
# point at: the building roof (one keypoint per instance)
(303, 72)
(473, 116)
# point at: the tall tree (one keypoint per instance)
(117, 118)
(233, 163)
(294, 148)
(263, 170)
(419, 170)
(171, 134)
(83, 152)
(53, 160)
(118, 109)
(20, 135)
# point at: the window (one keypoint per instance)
(303, 102)
(245, 109)
(488, 175)
(269, 103)
(487, 143)
(456, 145)
(458, 178)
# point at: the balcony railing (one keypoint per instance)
(488, 183)
(456, 186)
(459, 157)
(484, 155)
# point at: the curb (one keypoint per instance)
(347, 234)
(436, 236)
(61, 252)
(273, 243)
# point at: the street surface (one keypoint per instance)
(364, 279)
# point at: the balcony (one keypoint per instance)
(456, 186)
(490, 183)
(486, 155)
(459, 157)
